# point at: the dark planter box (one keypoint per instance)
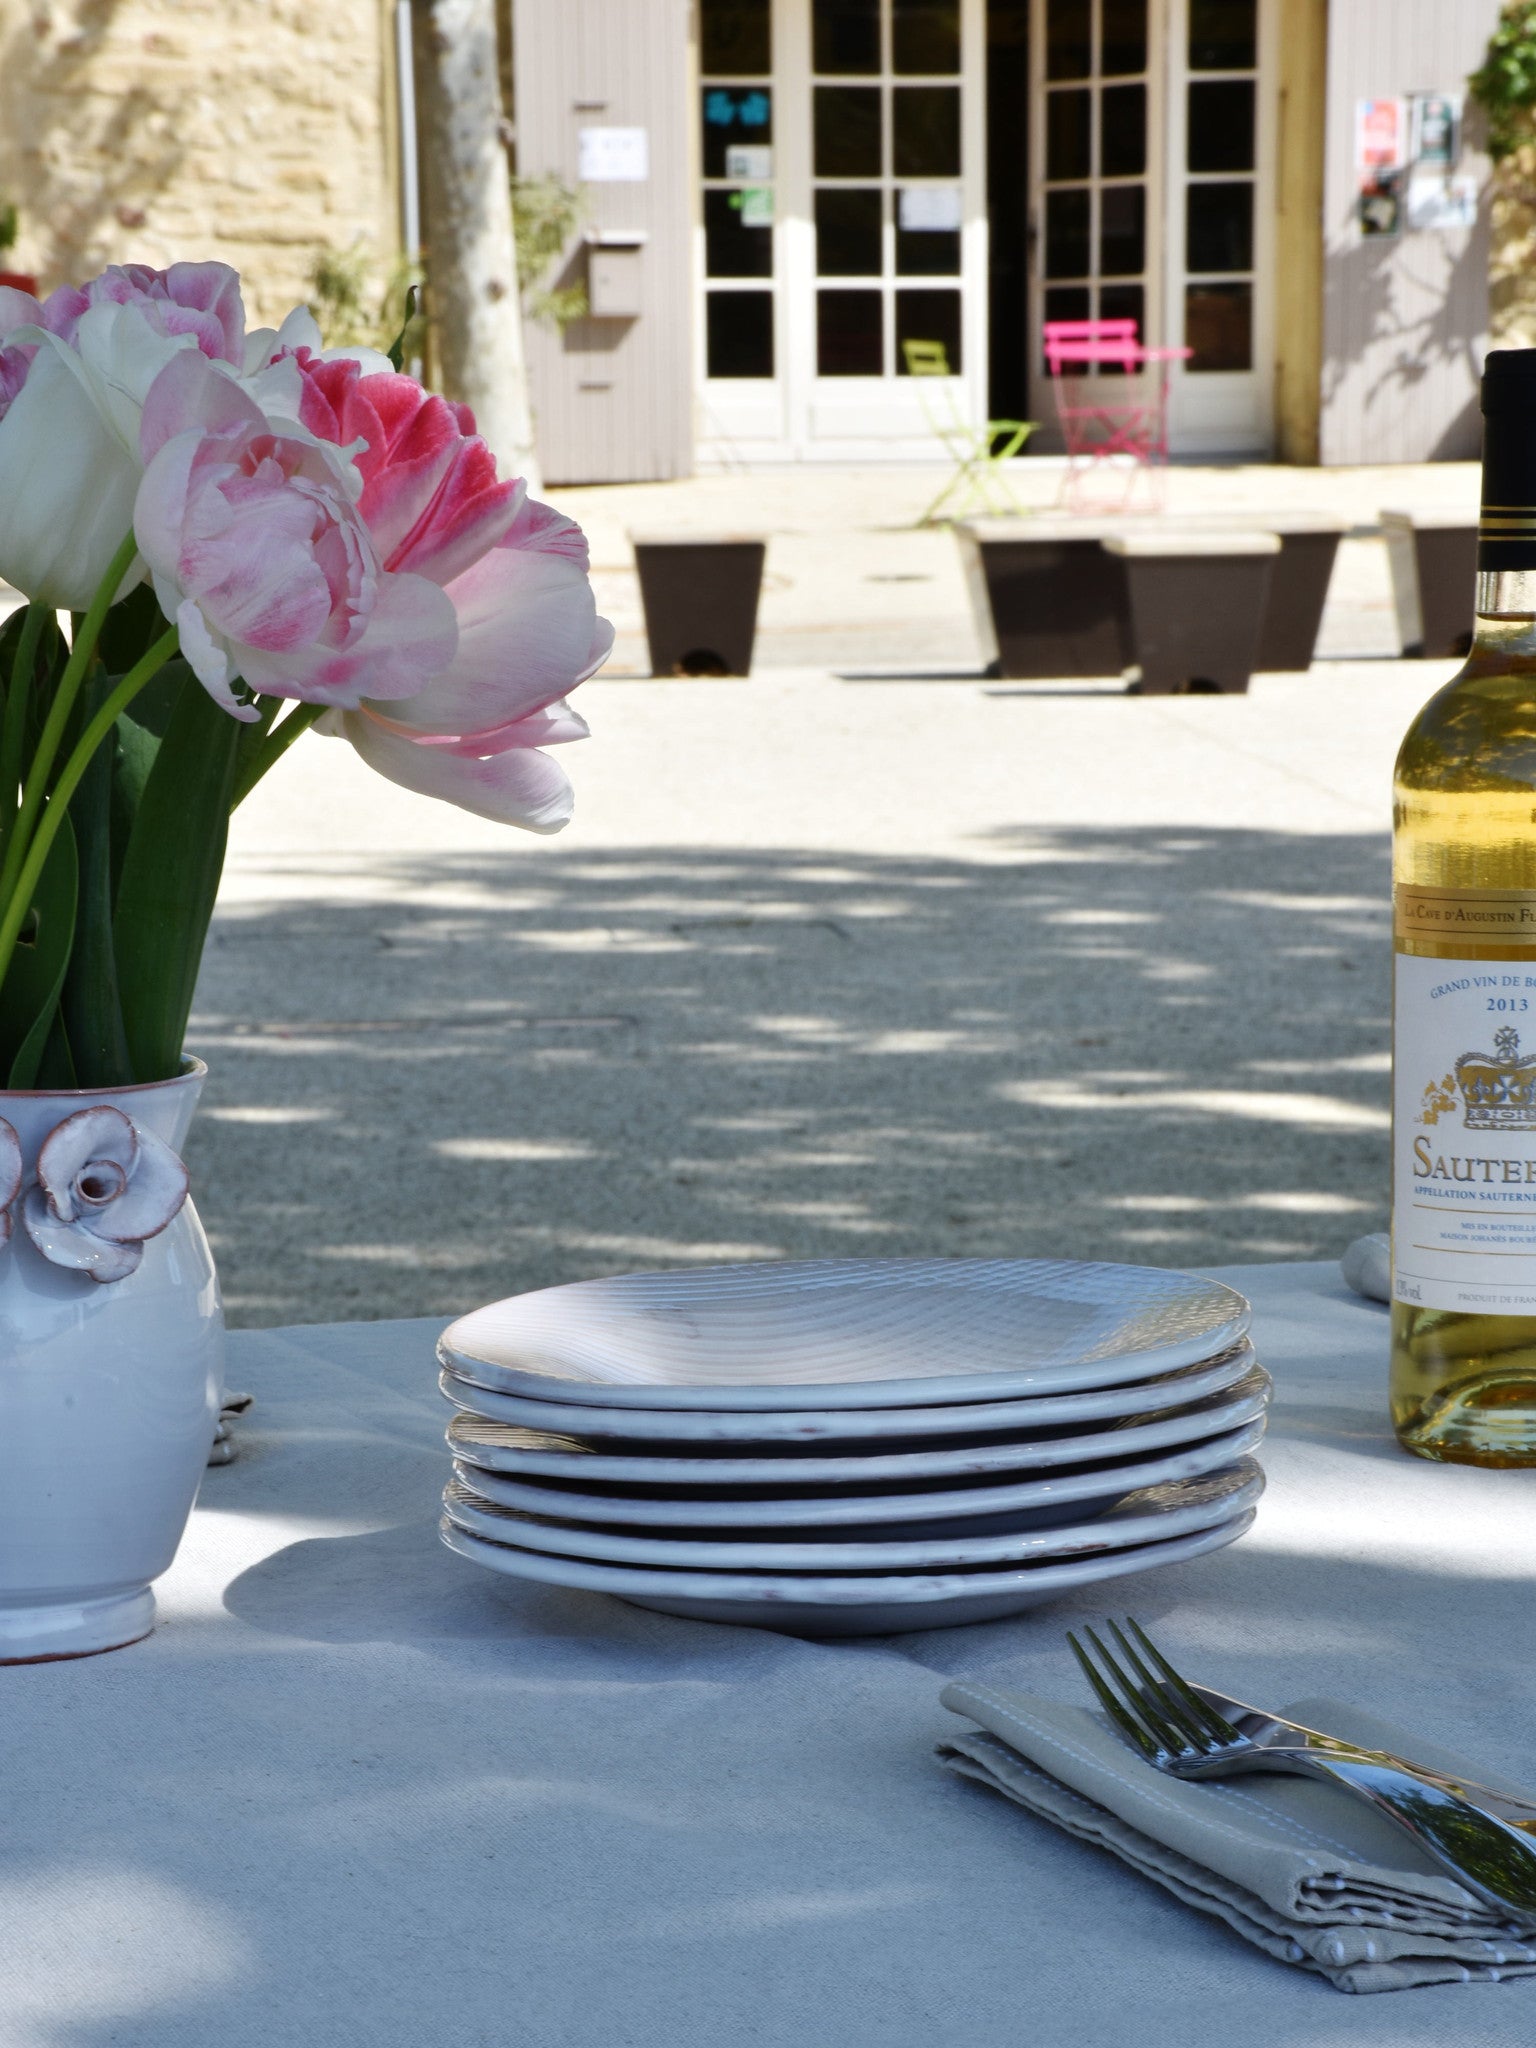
(1433, 556)
(700, 597)
(1197, 607)
(1050, 600)
(1046, 598)
(19, 281)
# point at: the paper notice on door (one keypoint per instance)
(613, 156)
(930, 209)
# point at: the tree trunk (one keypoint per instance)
(471, 258)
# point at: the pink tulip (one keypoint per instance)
(430, 492)
(74, 372)
(528, 632)
(515, 571)
(200, 299)
(263, 561)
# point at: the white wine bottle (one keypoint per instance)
(1464, 995)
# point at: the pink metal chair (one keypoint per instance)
(1115, 426)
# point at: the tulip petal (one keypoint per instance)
(519, 787)
(72, 1245)
(541, 529)
(411, 632)
(69, 490)
(190, 395)
(528, 633)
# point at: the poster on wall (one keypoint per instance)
(1439, 199)
(1442, 203)
(1434, 131)
(1381, 141)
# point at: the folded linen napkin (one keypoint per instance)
(1301, 1869)
(1367, 1266)
(224, 1447)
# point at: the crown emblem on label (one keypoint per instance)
(1499, 1088)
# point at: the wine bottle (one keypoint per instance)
(1463, 1378)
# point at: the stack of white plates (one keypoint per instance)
(849, 1447)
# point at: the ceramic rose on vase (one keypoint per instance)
(253, 537)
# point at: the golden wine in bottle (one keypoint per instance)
(1464, 995)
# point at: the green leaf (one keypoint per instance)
(89, 1006)
(130, 629)
(29, 999)
(139, 733)
(170, 878)
(10, 639)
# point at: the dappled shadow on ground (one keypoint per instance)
(480, 1075)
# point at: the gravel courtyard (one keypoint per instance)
(823, 966)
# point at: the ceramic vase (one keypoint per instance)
(109, 1398)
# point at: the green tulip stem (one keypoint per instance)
(293, 727)
(18, 847)
(13, 734)
(18, 899)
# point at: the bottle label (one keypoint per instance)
(1464, 1130)
(1497, 917)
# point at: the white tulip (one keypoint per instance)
(70, 465)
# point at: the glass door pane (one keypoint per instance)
(897, 138)
(1220, 166)
(1092, 207)
(842, 231)
(736, 157)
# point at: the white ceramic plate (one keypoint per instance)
(942, 1511)
(808, 1605)
(503, 1447)
(1144, 1517)
(846, 1333)
(864, 1430)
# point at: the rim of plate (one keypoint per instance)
(770, 1590)
(1216, 1497)
(1207, 1454)
(1222, 1316)
(564, 1459)
(833, 1425)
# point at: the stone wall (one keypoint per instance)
(254, 131)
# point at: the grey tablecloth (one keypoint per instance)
(354, 1790)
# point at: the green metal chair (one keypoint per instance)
(978, 452)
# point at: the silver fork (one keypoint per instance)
(1178, 1729)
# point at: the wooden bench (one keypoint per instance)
(1048, 600)
(700, 593)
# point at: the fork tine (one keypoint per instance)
(1131, 1730)
(1192, 1732)
(1217, 1723)
(1166, 1735)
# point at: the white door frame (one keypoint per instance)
(798, 416)
(1210, 412)
(1224, 412)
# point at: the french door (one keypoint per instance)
(843, 237)
(1152, 191)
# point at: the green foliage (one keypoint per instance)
(1504, 86)
(355, 307)
(38, 967)
(10, 226)
(170, 874)
(546, 212)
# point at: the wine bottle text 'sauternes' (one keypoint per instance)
(1464, 1002)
